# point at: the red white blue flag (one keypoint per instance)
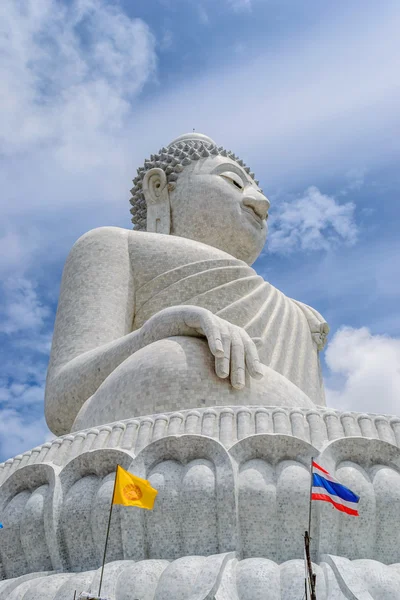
(328, 489)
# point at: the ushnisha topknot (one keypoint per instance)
(172, 160)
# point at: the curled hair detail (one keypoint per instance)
(172, 161)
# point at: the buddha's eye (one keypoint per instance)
(233, 179)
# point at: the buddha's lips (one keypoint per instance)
(260, 222)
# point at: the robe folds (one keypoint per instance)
(291, 332)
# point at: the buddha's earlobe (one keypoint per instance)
(156, 193)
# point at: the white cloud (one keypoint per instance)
(19, 433)
(240, 5)
(202, 14)
(24, 348)
(22, 309)
(15, 249)
(355, 179)
(69, 73)
(324, 101)
(364, 372)
(21, 395)
(83, 134)
(314, 221)
(167, 40)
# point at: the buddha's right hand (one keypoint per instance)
(232, 347)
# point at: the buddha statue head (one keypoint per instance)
(196, 190)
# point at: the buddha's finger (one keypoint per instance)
(214, 337)
(222, 364)
(237, 360)
(208, 325)
(253, 362)
(258, 342)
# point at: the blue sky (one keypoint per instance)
(306, 92)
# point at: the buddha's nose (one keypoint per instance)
(257, 202)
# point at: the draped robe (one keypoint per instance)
(181, 271)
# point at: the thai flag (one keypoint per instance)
(328, 489)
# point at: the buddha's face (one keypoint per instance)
(217, 203)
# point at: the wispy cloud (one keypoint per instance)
(15, 249)
(25, 336)
(70, 75)
(355, 180)
(313, 221)
(202, 13)
(81, 113)
(70, 72)
(240, 5)
(322, 104)
(21, 309)
(20, 432)
(364, 371)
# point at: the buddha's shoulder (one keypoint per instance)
(99, 242)
(104, 235)
(140, 238)
(143, 246)
(145, 243)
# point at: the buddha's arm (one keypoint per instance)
(93, 324)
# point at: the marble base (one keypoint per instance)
(233, 488)
(217, 577)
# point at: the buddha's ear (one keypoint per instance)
(155, 190)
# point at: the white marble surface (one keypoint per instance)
(217, 577)
(251, 499)
(227, 424)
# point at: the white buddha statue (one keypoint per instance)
(170, 318)
(170, 315)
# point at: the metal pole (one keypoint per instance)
(309, 503)
(307, 540)
(108, 532)
(311, 575)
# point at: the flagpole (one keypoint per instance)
(311, 576)
(309, 503)
(307, 538)
(108, 531)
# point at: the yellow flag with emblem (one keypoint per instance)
(130, 490)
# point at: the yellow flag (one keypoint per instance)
(133, 491)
